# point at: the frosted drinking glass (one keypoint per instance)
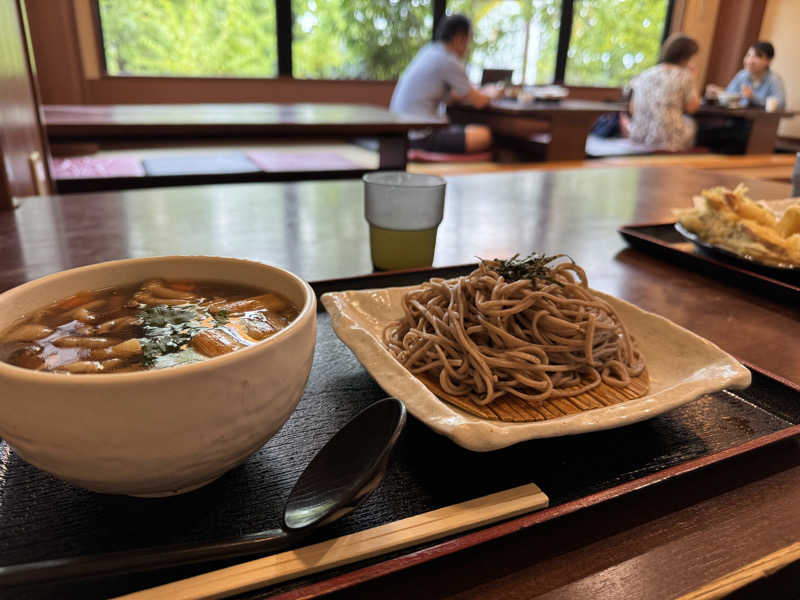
(403, 211)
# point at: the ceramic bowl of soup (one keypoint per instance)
(152, 376)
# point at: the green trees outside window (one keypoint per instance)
(610, 40)
(513, 34)
(357, 39)
(200, 38)
(613, 40)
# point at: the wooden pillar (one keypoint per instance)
(23, 148)
(737, 28)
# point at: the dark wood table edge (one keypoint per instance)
(95, 131)
(110, 184)
(480, 536)
(494, 532)
(542, 110)
(490, 533)
(561, 105)
(749, 112)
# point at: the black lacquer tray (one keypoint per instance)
(42, 518)
(744, 261)
(663, 240)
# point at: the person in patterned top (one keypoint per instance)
(664, 96)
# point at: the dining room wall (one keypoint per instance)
(779, 26)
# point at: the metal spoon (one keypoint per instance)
(341, 475)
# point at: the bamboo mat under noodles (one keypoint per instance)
(516, 410)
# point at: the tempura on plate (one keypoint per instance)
(767, 231)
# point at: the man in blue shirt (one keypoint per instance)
(435, 77)
(756, 82)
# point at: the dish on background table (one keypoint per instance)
(550, 92)
(681, 365)
(531, 94)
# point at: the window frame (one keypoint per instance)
(284, 22)
(99, 38)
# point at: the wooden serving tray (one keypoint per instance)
(42, 518)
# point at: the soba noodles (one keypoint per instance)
(517, 327)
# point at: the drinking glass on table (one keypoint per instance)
(771, 105)
(403, 211)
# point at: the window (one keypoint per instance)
(357, 39)
(613, 40)
(189, 37)
(513, 34)
(578, 42)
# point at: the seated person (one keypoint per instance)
(437, 76)
(662, 95)
(756, 82)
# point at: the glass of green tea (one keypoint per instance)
(403, 211)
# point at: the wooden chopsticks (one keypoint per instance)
(354, 547)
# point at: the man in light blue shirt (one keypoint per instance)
(435, 77)
(756, 82)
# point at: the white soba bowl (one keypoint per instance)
(158, 432)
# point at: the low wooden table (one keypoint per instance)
(764, 128)
(659, 542)
(569, 122)
(139, 122)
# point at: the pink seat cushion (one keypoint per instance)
(415, 154)
(302, 161)
(89, 167)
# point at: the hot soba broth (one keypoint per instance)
(153, 325)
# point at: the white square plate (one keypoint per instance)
(682, 367)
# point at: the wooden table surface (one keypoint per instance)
(749, 112)
(568, 122)
(659, 542)
(545, 107)
(764, 125)
(73, 124)
(232, 118)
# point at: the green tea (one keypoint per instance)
(394, 249)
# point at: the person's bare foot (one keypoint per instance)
(624, 125)
(477, 138)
